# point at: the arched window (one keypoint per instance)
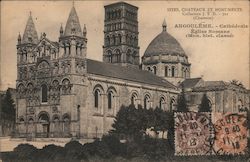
(162, 102)
(128, 55)
(96, 94)
(172, 103)
(108, 41)
(127, 39)
(21, 120)
(154, 69)
(118, 53)
(119, 39)
(146, 102)
(44, 93)
(173, 71)
(66, 125)
(110, 57)
(110, 100)
(114, 40)
(166, 71)
(133, 99)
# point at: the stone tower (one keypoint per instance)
(121, 35)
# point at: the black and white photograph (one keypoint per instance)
(124, 81)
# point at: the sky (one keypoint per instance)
(212, 58)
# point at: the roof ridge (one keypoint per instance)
(132, 74)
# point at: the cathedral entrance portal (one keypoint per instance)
(44, 125)
(66, 125)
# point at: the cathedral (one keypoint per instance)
(62, 93)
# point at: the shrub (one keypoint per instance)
(97, 148)
(74, 150)
(24, 151)
(49, 152)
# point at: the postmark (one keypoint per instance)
(193, 133)
(230, 133)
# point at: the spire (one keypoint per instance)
(61, 30)
(30, 33)
(73, 26)
(19, 39)
(84, 31)
(164, 25)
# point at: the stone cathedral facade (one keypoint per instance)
(62, 93)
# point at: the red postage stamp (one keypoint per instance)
(193, 133)
(230, 133)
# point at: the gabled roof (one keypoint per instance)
(73, 24)
(190, 82)
(30, 33)
(126, 73)
(44, 39)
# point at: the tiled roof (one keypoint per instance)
(164, 44)
(190, 83)
(126, 73)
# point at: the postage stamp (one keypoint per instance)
(193, 133)
(230, 133)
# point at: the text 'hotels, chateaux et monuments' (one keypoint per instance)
(61, 93)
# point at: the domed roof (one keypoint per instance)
(164, 44)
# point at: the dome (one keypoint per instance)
(164, 44)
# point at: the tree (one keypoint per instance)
(130, 122)
(181, 102)
(8, 108)
(205, 104)
(8, 113)
(161, 122)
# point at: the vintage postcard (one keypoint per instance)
(124, 81)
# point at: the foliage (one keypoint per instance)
(7, 107)
(161, 122)
(130, 122)
(73, 150)
(97, 148)
(181, 102)
(205, 104)
(115, 146)
(237, 83)
(133, 123)
(24, 151)
(157, 149)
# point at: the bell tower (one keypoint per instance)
(121, 35)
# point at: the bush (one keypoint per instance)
(49, 152)
(97, 148)
(74, 150)
(115, 146)
(157, 149)
(24, 151)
